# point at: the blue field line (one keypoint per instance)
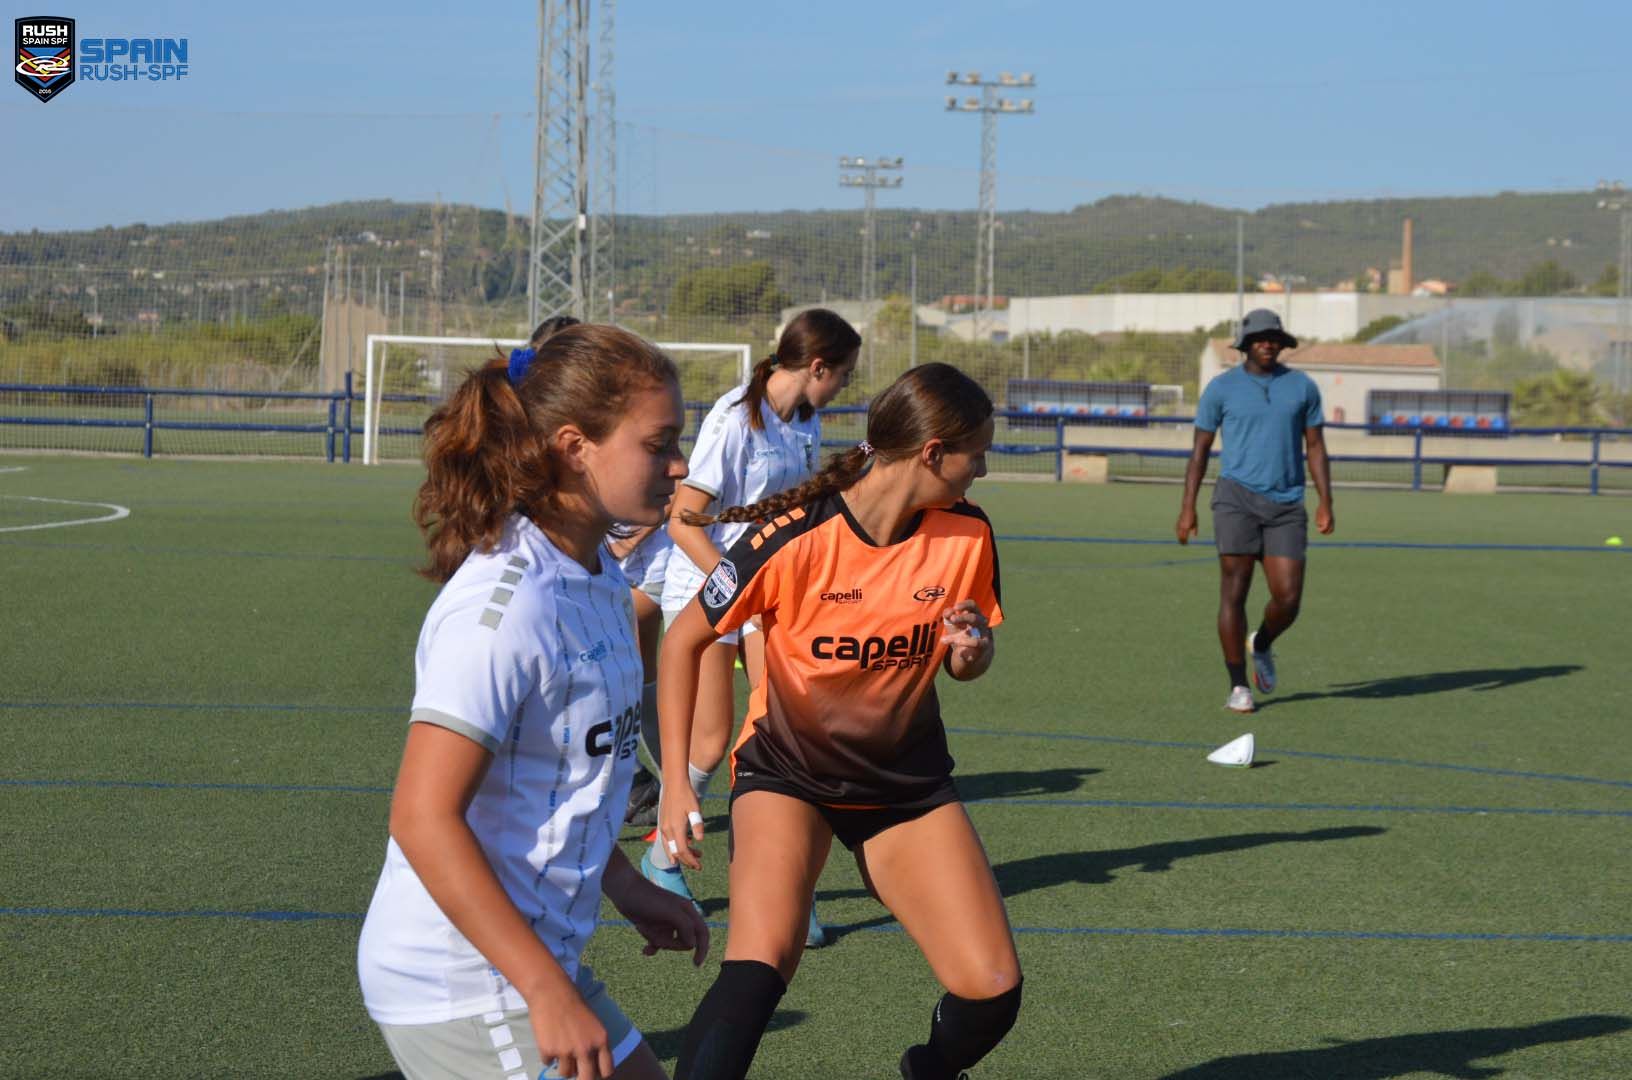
(1405, 545)
(314, 556)
(209, 706)
(1021, 801)
(267, 915)
(1345, 808)
(1114, 740)
(1521, 774)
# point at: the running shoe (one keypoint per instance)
(643, 794)
(669, 880)
(1240, 700)
(1263, 666)
(919, 1064)
(815, 933)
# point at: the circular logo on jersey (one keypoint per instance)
(721, 585)
(929, 592)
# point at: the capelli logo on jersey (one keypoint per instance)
(594, 655)
(881, 654)
(851, 597)
(618, 735)
(928, 593)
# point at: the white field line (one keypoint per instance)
(117, 513)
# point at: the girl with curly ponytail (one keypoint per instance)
(521, 738)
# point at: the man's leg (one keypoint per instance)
(1285, 578)
(1235, 579)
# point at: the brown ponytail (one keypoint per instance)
(931, 401)
(814, 334)
(487, 450)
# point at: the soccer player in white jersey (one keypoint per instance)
(521, 742)
(757, 440)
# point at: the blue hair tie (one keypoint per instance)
(520, 361)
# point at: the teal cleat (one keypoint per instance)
(669, 880)
(815, 933)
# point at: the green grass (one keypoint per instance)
(203, 705)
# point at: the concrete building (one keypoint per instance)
(1327, 316)
(1344, 373)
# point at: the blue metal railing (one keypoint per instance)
(341, 424)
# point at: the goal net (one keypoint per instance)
(405, 377)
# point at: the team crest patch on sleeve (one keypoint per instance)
(721, 585)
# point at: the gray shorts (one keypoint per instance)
(499, 1045)
(1247, 523)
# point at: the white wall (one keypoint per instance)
(1328, 316)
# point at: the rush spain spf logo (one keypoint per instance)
(45, 55)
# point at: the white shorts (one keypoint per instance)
(734, 637)
(646, 566)
(499, 1045)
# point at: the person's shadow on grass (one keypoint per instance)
(973, 787)
(1434, 682)
(1445, 1053)
(1099, 867)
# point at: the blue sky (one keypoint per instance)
(734, 105)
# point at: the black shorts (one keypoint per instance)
(852, 826)
(1247, 523)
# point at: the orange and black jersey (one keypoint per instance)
(847, 709)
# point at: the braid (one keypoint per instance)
(843, 470)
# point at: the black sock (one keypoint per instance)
(729, 1021)
(1262, 639)
(962, 1032)
(1238, 673)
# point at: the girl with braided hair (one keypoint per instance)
(868, 579)
(758, 439)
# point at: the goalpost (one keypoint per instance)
(707, 369)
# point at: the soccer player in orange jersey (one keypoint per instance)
(868, 579)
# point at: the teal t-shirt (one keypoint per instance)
(1263, 418)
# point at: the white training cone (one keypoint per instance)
(1236, 752)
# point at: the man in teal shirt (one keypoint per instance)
(1269, 414)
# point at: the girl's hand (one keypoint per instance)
(967, 631)
(680, 822)
(665, 920)
(571, 1036)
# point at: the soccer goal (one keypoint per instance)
(406, 376)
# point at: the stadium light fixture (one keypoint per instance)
(989, 106)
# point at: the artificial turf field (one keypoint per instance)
(1428, 873)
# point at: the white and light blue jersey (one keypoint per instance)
(535, 658)
(740, 466)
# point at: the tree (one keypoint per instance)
(1378, 326)
(1608, 283)
(1484, 283)
(1546, 279)
(728, 292)
(1563, 398)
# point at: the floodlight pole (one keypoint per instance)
(1612, 195)
(863, 173)
(989, 106)
(570, 266)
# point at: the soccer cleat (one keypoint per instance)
(1240, 700)
(1263, 666)
(643, 795)
(815, 933)
(669, 880)
(919, 1064)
